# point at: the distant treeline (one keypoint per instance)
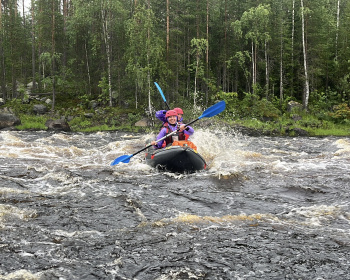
(114, 50)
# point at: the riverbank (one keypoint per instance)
(133, 122)
(94, 118)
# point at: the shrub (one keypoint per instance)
(341, 112)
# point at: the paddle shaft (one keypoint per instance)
(161, 139)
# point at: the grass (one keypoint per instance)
(330, 132)
(312, 125)
(32, 122)
(78, 124)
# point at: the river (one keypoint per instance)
(265, 208)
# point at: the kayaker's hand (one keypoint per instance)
(182, 127)
(154, 143)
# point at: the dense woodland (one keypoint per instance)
(197, 50)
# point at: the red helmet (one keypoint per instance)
(179, 111)
(171, 113)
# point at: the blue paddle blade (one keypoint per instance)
(124, 158)
(214, 110)
(160, 91)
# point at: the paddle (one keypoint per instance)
(161, 93)
(210, 112)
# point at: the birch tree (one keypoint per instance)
(33, 45)
(337, 30)
(306, 77)
(254, 25)
(2, 57)
(199, 47)
(144, 52)
(106, 17)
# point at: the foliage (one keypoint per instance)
(230, 98)
(107, 49)
(32, 122)
(341, 112)
(238, 51)
(142, 62)
(255, 107)
(103, 96)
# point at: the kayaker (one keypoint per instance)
(160, 115)
(169, 126)
(179, 114)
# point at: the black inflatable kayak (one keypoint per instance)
(179, 158)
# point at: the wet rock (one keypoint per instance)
(293, 105)
(8, 119)
(248, 131)
(40, 109)
(295, 131)
(26, 100)
(296, 117)
(143, 123)
(93, 104)
(89, 115)
(57, 125)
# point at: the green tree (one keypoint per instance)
(199, 47)
(253, 25)
(12, 49)
(144, 53)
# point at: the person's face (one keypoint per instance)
(179, 116)
(172, 119)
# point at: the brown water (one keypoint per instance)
(266, 208)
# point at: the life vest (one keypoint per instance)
(185, 143)
(170, 139)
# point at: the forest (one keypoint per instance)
(247, 52)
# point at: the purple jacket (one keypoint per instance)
(160, 115)
(163, 132)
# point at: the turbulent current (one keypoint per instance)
(265, 208)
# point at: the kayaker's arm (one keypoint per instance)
(160, 115)
(187, 129)
(160, 138)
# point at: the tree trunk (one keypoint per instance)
(198, 19)
(148, 65)
(224, 70)
(281, 65)
(65, 16)
(306, 90)
(136, 99)
(267, 78)
(281, 57)
(53, 64)
(87, 67)
(33, 46)
(195, 83)
(253, 67)
(337, 32)
(3, 70)
(207, 58)
(293, 30)
(167, 30)
(106, 37)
